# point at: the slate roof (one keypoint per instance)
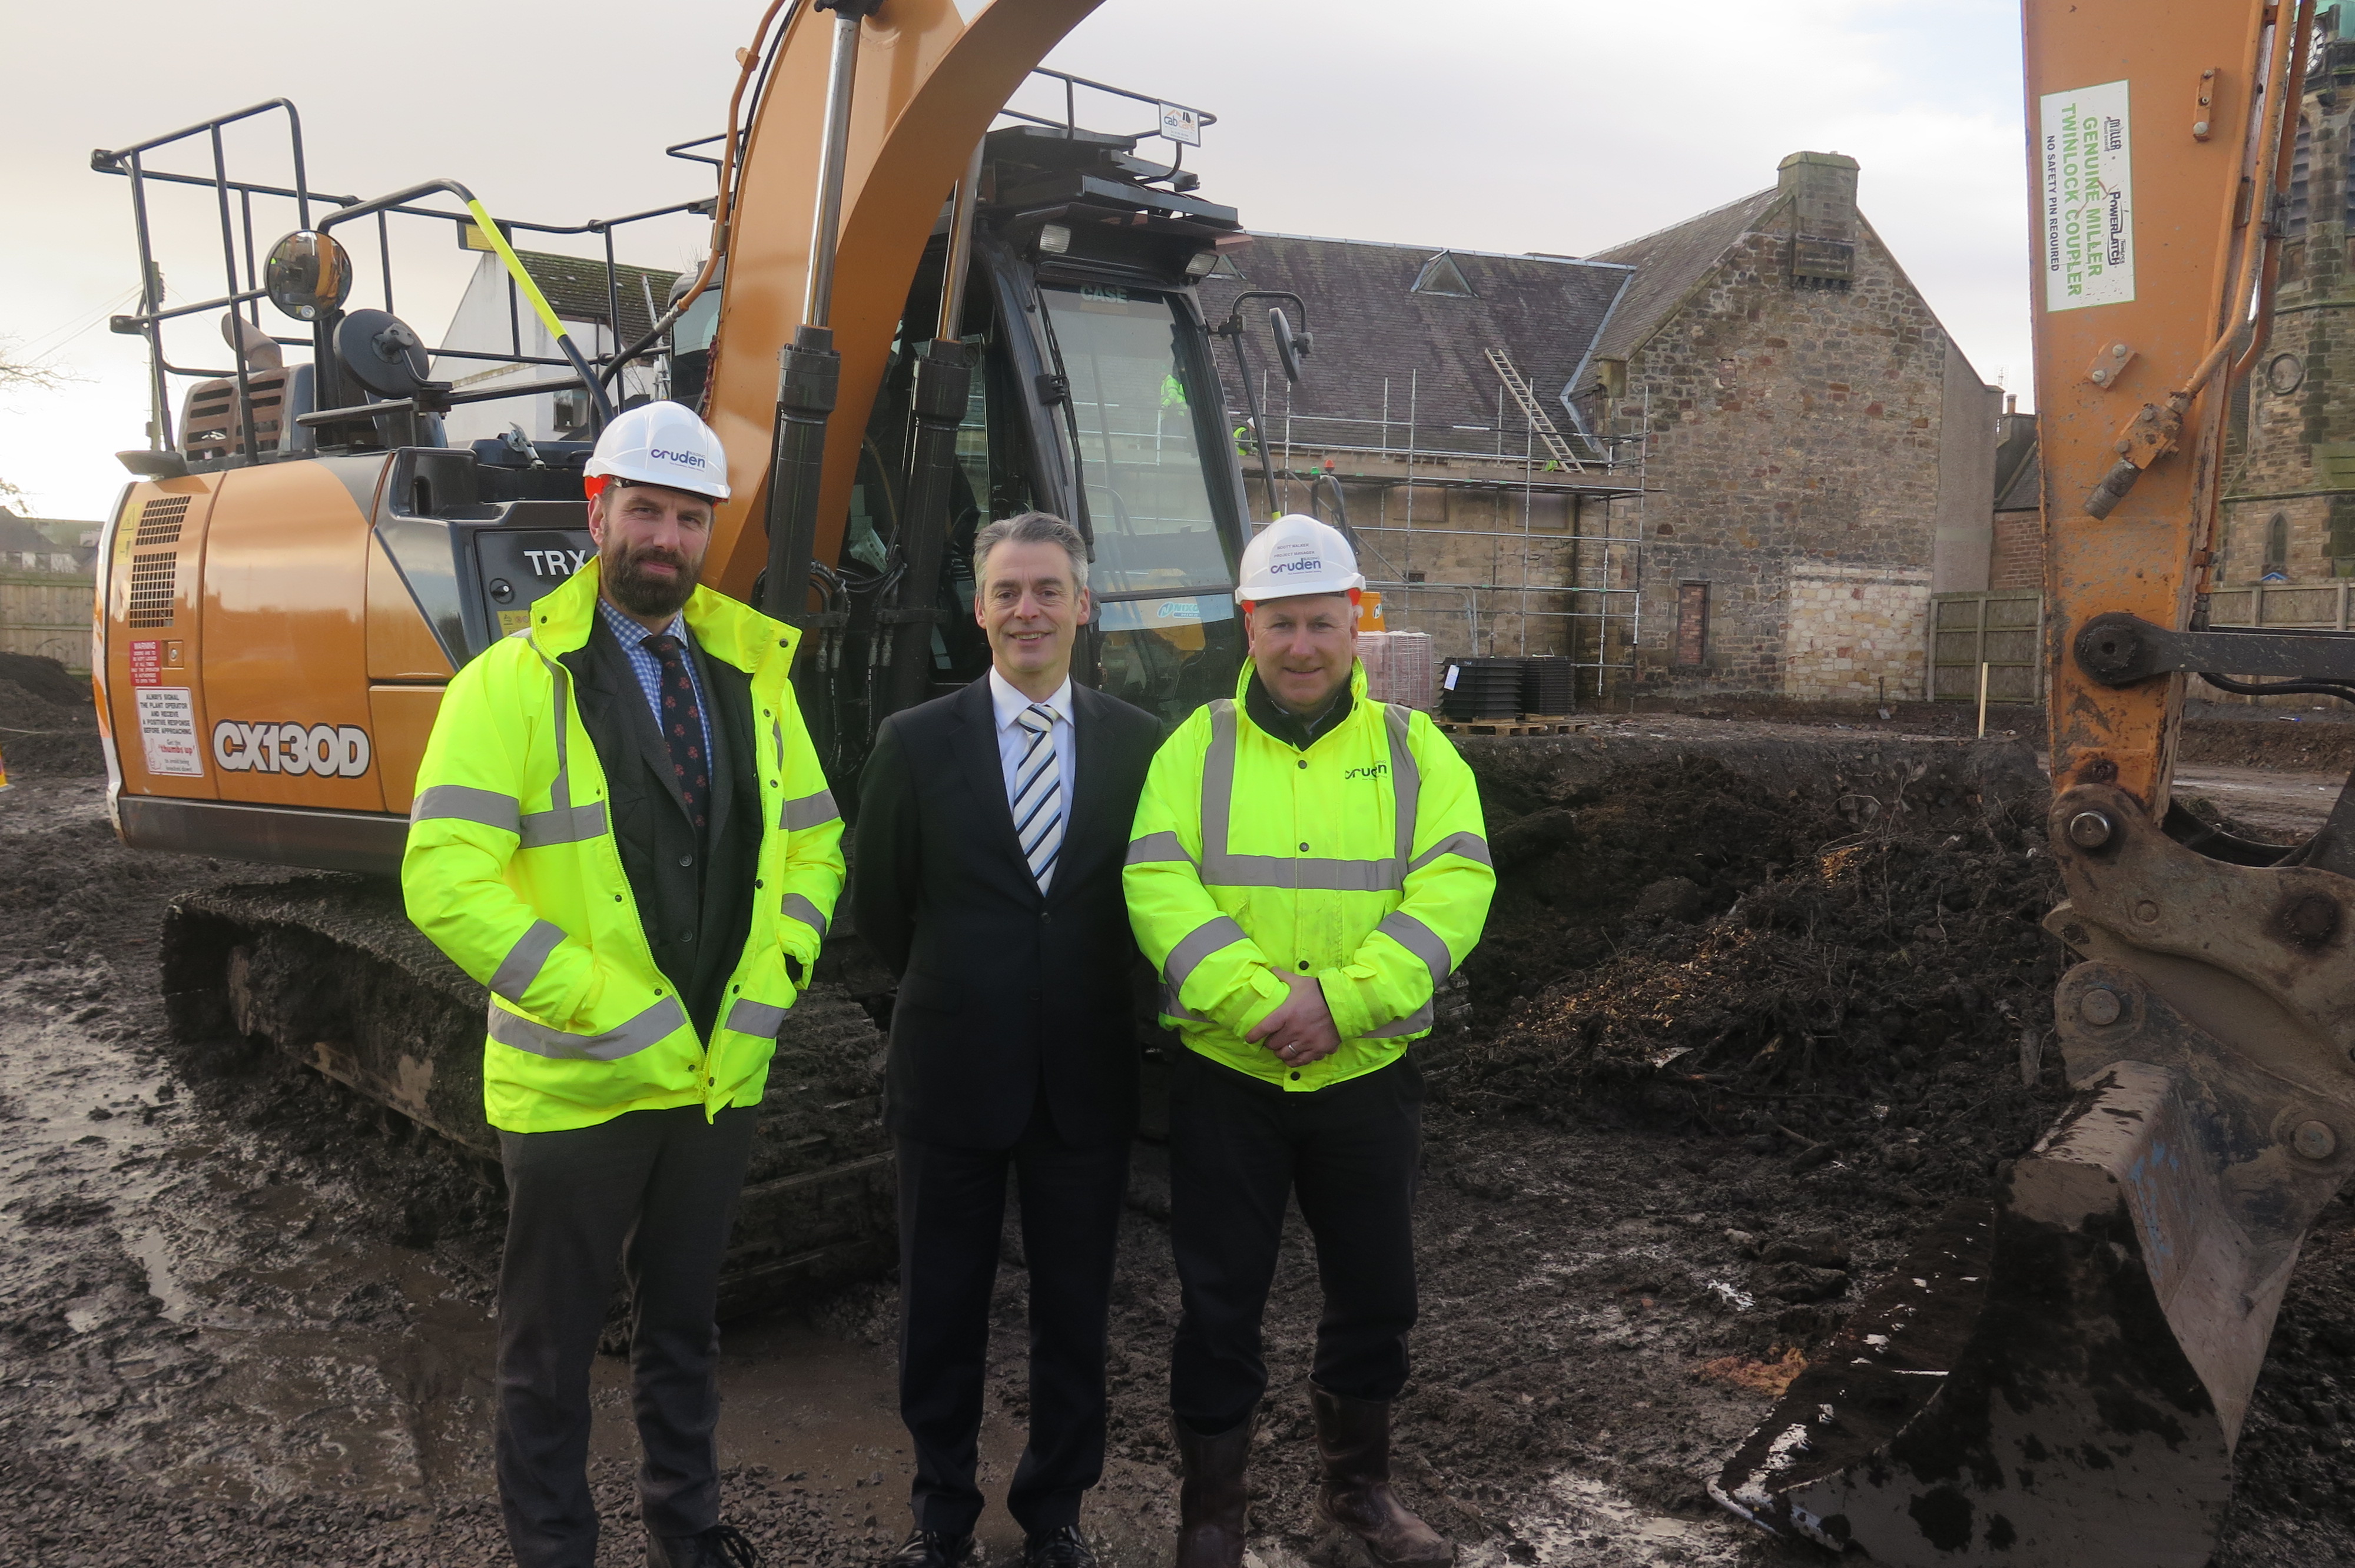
(15, 533)
(19, 537)
(1669, 262)
(576, 286)
(1371, 325)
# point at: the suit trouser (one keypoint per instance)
(952, 1213)
(1239, 1146)
(651, 1193)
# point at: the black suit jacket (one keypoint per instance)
(1002, 991)
(695, 901)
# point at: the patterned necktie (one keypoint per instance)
(1039, 795)
(682, 727)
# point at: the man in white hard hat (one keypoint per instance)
(621, 830)
(1306, 868)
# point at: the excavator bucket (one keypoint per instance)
(2057, 1375)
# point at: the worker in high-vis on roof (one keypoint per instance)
(621, 830)
(1307, 870)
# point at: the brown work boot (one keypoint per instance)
(1211, 1496)
(1353, 1436)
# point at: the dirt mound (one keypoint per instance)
(47, 722)
(46, 679)
(1861, 981)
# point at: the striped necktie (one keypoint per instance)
(1039, 795)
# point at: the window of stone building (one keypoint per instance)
(2301, 179)
(2276, 548)
(1692, 624)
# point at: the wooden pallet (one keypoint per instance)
(1533, 724)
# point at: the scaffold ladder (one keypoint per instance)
(1548, 435)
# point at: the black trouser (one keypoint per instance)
(952, 1211)
(652, 1193)
(1238, 1148)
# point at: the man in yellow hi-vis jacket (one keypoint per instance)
(1306, 868)
(621, 830)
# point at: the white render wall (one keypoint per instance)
(481, 322)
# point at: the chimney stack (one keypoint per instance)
(1825, 183)
(1822, 190)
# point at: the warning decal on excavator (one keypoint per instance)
(2087, 148)
(167, 732)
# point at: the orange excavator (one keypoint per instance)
(909, 323)
(2059, 1375)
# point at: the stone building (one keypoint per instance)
(1764, 451)
(2288, 508)
(1820, 453)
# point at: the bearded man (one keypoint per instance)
(621, 830)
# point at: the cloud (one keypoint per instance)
(1557, 125)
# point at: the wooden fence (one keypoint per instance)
(2000, 627)
(46, 613)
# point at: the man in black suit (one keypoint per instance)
(992, 826)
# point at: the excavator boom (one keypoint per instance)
(2059, 1373)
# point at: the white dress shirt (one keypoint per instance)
(1014, 741)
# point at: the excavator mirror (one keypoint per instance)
(308, 274)
(1290, 347)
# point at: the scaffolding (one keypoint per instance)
(1586, 575)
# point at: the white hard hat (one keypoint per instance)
(1296, 556)
(662, 443)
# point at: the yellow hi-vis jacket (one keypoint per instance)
(1362, 860)
(511, 869)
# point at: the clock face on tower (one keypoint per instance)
(2285, 373)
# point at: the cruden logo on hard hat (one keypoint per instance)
(1295, 556)
(660, 443)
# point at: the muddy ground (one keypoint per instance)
(1710, 1017)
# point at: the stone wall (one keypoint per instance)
(1793, 430)
(1856, 631)
(1457, 551)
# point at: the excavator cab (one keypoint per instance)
(1093, 395)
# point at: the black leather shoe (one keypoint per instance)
(721, 1546)
(1064, 1547)
(932, 1549)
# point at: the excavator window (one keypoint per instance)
(1134, 408)
(1143, 419)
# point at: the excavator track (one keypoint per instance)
(328, 971)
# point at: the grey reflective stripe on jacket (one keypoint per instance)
(525, 959)
(1414, 1023)
(1156, 847)
(796, 908)
(1224, 870)
(808, 811)
(562, 824)
(1219, 931)
(1470, 846)
(749, 1017)
(464, 803)
(1420, 940)
(647, 1029)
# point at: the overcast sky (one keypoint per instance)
(1552, 126)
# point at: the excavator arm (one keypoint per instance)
(928, 84)
(2058, 1374)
